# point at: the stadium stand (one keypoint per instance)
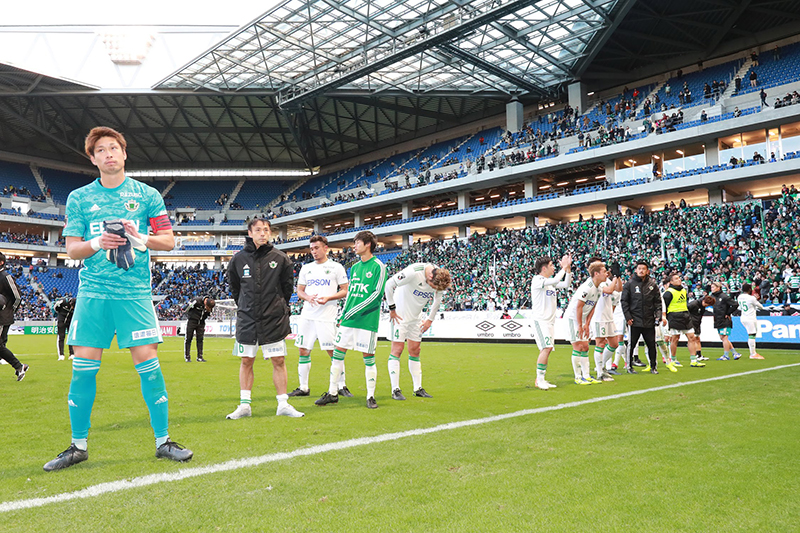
(17, 179)
(774, 71)
(201, 194)
(61, 183)
(256, 194)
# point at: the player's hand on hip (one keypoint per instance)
(394, 317)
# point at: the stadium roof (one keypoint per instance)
(314, 82)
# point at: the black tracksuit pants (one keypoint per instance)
(62, 327)
(649, 336)
(194, 329)
(5, 353)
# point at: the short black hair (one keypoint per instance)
(540, 263)
(747, 288)
(643, 262)
(253, 221)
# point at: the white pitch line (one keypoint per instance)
(236, 464)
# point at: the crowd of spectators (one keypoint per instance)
(730, 242)
(22, 238)
(181, 284)
(11, 190)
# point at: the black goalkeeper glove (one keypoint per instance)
(616, 269)
(123, 256)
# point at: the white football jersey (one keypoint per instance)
(604, 311)
(615, 299)
(543, 295)
(321, 280)
(410, 292)
(587, 293)
(749, 305)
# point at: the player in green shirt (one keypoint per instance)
(107, 228)
(358, 326)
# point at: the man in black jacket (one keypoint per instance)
(697, 308)
(723, 323)
(641, 305)
(197, 311)
(9, 301)
(261, 281)
(64, 308)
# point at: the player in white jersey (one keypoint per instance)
(320, 284)
(543, 309)
(749, 305)
(408, 292)
(579, 315)
(603, 329)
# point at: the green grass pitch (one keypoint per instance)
(715, 456)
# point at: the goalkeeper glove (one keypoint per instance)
(123, 256)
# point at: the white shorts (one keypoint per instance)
(276, 349)
(661, 332)
(407, 329)
(360, 340)
(751, 326)
(309, 331)
(679, 332)
(574, 334)
(620, 326)
(544, 333)
(603, 329)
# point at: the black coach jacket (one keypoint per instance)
(10, 292)
(196, 312)
(641, 301)
(723, 310)
(261, 282)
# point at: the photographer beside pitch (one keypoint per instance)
(197, 312)
(106, 226)
(64, 309)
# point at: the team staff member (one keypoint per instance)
(64, 309)
(9, 301)
(642, 306)
(198, 311)
(261, 281)
(697, 308)
(680, 320)
(724, 307)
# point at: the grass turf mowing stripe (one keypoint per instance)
(236, 464)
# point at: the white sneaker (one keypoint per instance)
(71, 357)
(288, 410)
(3, 362)
(241, 411)
(549, 385)
(60, 357)
(542, 384)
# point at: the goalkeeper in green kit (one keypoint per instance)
(358, 327)
(107, 227)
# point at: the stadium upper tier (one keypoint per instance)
(17, 179)
(773, 71)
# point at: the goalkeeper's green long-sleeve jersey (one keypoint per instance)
(362, 308)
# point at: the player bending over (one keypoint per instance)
(407, 293)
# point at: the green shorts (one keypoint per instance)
(96, 321)
(724, 332)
